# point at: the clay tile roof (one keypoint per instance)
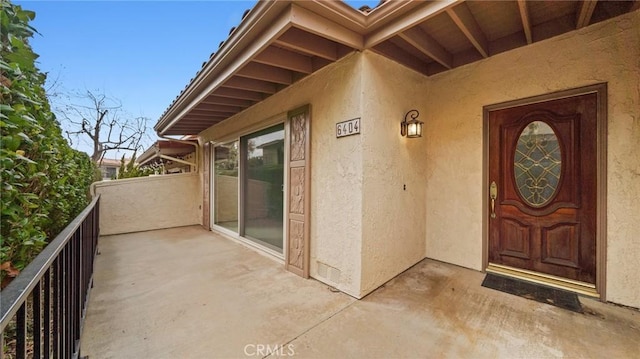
(246, 12)
(367, 9)
(496, 20)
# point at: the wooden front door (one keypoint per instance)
(543, 189)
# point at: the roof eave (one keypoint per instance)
(262, 12)
(270, 19)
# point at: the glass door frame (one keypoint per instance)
(212, 187)
(244, 212)
(239, 235)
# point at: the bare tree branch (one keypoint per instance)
(98, 118)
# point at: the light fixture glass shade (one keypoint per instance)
(411, 128)
(414, 129)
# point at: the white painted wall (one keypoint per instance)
(148, 203)
(336, 164)
(605, 52)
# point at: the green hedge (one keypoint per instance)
(45, 182)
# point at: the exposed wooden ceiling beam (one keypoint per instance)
(182, 132)
(210, 113)
(397, 54)
(311, 22)
(236, 52)
(427, 45)
(309, 44)
(462, 17)
(584, 13)
(238, 94)
(188, 130)
(526, 22)
(220, 108)
(427, 10)
(196, 124)
(243, 83)
(205, 117)
(226, 101)
(319, 62)
(268, 73)
(301, 43)
(285, 59)
(195, 128)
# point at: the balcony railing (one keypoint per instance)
(46, 303)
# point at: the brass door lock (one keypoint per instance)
(493, 193)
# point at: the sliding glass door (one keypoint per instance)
(263, 185)
(226, 186)
(249, 187)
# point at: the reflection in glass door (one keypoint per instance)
(263, 161)
(226, 186)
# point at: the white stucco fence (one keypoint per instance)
(148, 203)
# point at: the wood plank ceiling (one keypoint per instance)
(292, 56)
(456, 35)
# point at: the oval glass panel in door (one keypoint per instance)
(537, 164)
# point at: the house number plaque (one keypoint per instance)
(348, 128)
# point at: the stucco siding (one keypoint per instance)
(366, 227)
(605, 52)
(226, 197)
(394, 184)
(336, 164)
(148, 203)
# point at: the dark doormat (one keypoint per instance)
(539, 293)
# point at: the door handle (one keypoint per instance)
(493, 193)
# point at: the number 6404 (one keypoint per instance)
(347, 128)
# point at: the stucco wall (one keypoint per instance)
(148, 203)
(365, 228)
(336, 164)
(226, 199)
(394, 184)
(605, 52)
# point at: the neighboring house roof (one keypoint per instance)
(280, 42)
(107, 162)
(166, 148)
(271, 143)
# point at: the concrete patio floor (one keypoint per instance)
(189, 293)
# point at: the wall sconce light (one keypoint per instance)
(411, 128)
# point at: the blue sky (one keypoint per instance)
(140, 52)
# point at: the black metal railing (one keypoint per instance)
(45, 305)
